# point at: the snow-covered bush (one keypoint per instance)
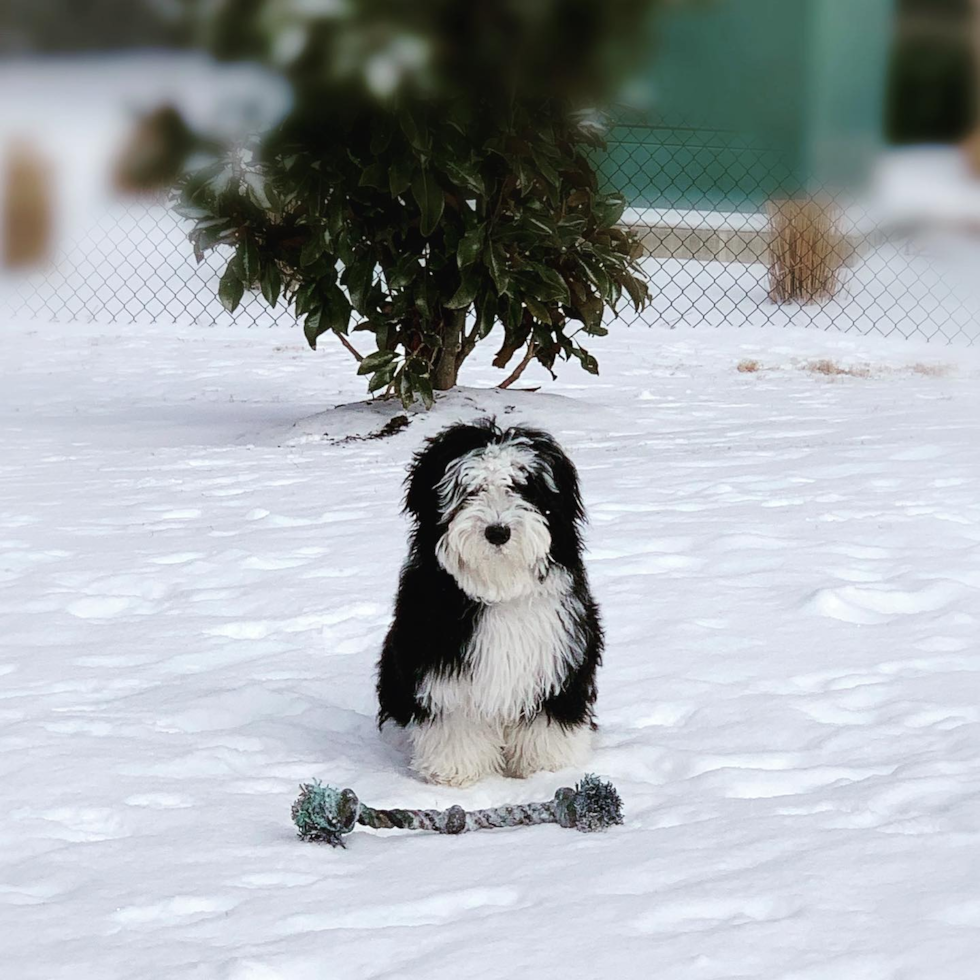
(432, 178)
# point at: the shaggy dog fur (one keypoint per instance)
(490, 661)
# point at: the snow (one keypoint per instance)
(197, 562)
(927, 184)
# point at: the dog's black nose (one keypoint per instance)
(497, 534)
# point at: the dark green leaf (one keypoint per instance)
(486, 316)
(423, 385)
(303, 301)
(464, 174)
(207, 238)
(496, 262)
(638, 291)
(414, 133)
(552, 284)
(470, 246)
(313, 327)
(547, 170)
(194, 212)
(336, 310)
(256, 190)
(466, 293)
(405, 390)
(571, 227)
(379, 359)
(541, 225)
(249, 255)
(334, 215)
(271, 283)
(545, 356)
(403, 272)
(596, 274)
(381, 136)
(312, 250)
(400, 176)
(374, 176)
(609, 210)
(231, 289)
(430, 199)
(210, 223)
(382, 377)
(222, 180)
(511, 314)
(539, 310)
(591, 311)
(358, 278)
(422, 303)
(588, 361)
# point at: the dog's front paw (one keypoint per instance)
(457, 779)
(456, 752)
(546, 746)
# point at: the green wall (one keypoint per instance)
(747, 99)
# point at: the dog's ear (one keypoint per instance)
(558, 496)
(429, 464)
(561, 477)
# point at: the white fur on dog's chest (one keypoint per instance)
(520, 652)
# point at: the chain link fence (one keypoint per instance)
(722, 248)
(131, 262)
(726, 245)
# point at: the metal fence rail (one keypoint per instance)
(718, 252)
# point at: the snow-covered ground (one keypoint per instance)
(196, 570)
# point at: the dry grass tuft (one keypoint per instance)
(155, 152)
(806, 251)
(931, 370)
(27, 206)
(832, 369)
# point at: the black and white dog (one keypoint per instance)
(491, 658)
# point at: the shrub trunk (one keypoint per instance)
(450, 359)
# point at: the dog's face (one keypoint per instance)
(500, 507)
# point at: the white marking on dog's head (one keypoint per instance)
(496, 542)
(498, 466)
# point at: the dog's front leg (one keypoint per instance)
(545, 745)
(457, 750)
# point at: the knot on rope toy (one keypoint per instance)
(324, 814)
(593, 805)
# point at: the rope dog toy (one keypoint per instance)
(325, 814)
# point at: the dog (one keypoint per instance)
(491, 657)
